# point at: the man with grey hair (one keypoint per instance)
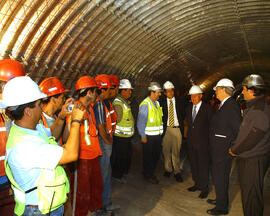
(224, 128)
(150, 127)
(198, 117)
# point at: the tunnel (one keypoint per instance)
(185, 41)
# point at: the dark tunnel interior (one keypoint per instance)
(188, 42)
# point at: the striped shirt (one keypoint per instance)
(99, 111)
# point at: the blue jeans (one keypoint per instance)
(105, 166)
(34, 211)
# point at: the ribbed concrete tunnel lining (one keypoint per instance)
(187, 41)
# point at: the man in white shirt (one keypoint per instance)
(172, 136)
(198, 116)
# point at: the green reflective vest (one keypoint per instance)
(124, 128)
(52, 186)
(154, 125)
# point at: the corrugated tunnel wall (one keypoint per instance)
(187, 41)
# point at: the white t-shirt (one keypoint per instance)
(50, 120)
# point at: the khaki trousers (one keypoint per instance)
(171, 145)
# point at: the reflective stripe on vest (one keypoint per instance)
(154, 125)
(108, 118)
(113, 116)
(124, 128)
(89, 143)
(86, 136)
(52, 185)
(3, 141)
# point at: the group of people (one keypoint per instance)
(42, 128)
(214, 137)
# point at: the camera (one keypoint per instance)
(70, 107)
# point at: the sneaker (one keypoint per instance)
(112, 207)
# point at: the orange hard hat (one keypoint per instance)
(85, 82)
(52, 86)
(114, 80)
(10, 68)
(103, 81)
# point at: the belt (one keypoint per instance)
(32, 205)
(174, 126)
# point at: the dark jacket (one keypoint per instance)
(254, 134)
(198, 131)
(180, 112)
(224, 128)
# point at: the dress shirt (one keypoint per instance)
(176, 122)
(222, 102)
(197, 107)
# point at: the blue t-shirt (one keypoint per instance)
(27, 159)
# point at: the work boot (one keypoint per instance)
(193, 188)
(178, 177)
(167, 174)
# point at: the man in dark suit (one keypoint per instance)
(173, 111)
(198, 116)
(224, 128)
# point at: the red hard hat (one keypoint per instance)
(114, 80)
(85, 82)
(52, 86)
(103, 81)
(10, 68)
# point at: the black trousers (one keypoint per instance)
(151, 154)
(221, 177)
(121, 156)
(199, 162)
(251, 173)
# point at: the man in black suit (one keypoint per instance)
(172, 137)
(198, 116)
(224, 128)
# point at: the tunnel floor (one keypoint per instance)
(170, 198)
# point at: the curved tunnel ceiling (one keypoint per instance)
(188, 41)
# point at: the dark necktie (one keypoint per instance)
(171, 114)
(194, 113)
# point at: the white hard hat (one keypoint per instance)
(168, 85)
(20, 90)
(224, 83)
(154, 86)
(195, 90)
(125, 84)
